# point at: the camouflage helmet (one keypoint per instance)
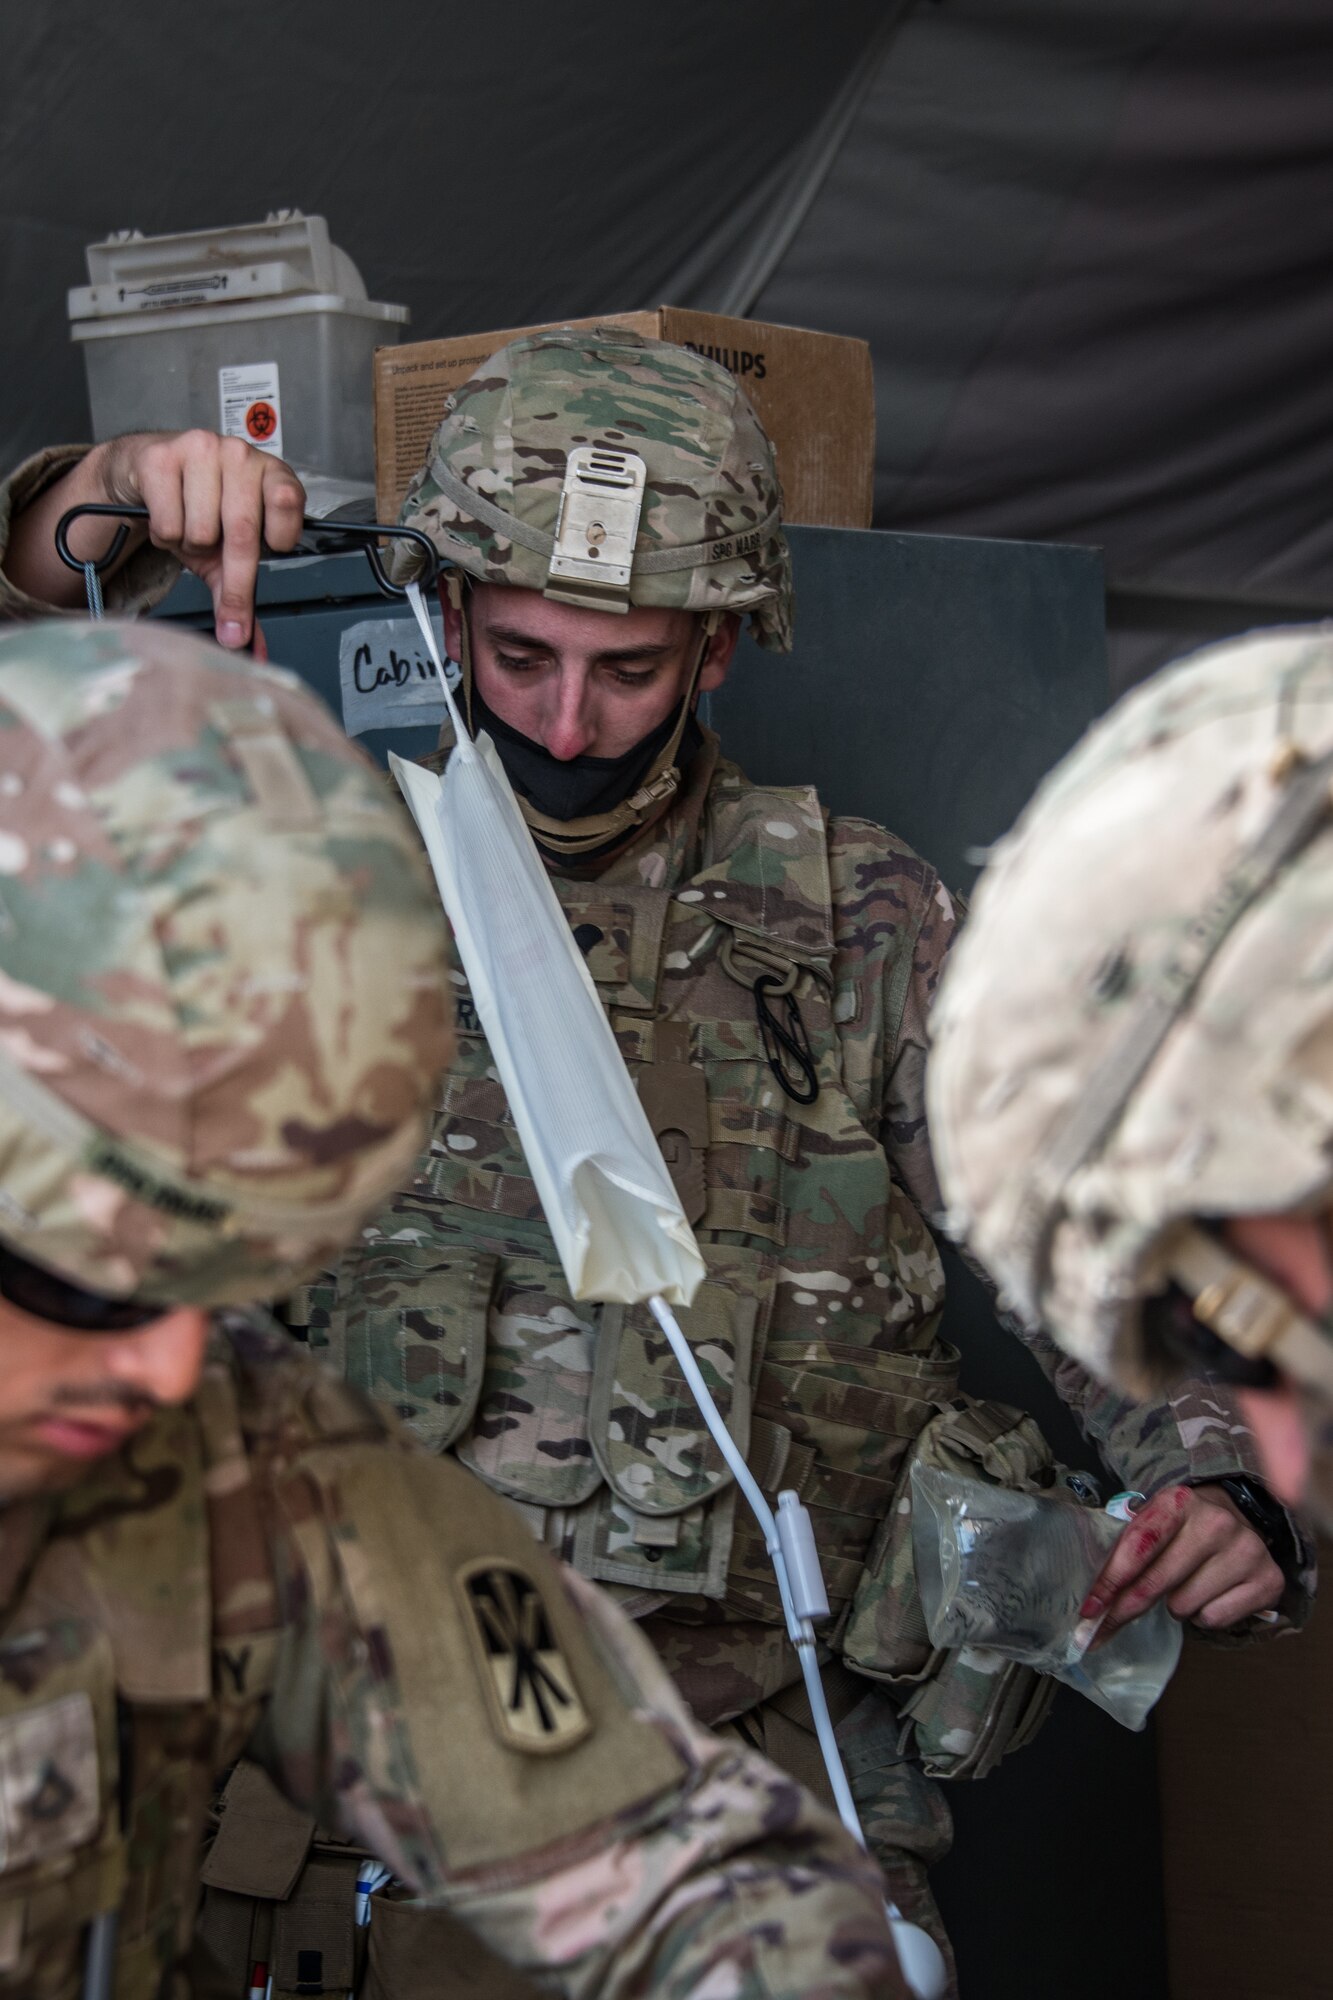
(221, 969)
(1135, 1037)
(499, 494)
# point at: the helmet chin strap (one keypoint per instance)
(576, 837)
(1246, 1310)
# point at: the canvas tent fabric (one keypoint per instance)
(1091, 248)
(1088, 240)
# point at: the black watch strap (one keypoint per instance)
(1269, 1519)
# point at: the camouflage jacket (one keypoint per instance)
(142, 581)
(268, 1570)
(818, 1321)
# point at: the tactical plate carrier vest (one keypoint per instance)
(816, 1328)
(137, 1649)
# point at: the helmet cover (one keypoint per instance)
(711, 516)
(1073, 1139)
(222, 969)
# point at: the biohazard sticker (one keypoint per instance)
(251, 405)
(529, 1688)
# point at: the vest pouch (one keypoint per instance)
(529, 1434)
(413, 1332)
(964, 1709)
(276, 1890)
(666, 1517)
(409, 1943)
(852, 1412)
(314, 1949)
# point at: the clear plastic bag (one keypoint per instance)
(1008, 1571)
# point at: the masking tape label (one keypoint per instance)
(388, 678)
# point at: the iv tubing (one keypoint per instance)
(801, 1630)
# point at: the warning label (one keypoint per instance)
(250, 405)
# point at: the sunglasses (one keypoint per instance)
(44, 1295)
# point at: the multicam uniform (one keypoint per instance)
(818, 1324)
(220, 1018)
(265, 1571)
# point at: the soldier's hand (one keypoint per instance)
(1191, 1546)
(212, 502)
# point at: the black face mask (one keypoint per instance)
(568, 788)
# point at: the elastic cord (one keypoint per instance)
(556, 835)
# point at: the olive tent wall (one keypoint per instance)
(1088, 240)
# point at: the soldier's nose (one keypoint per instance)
(569, 731)
(162, 1360)
(568, 736)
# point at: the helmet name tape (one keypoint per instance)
(166, 1196)
(737, 545)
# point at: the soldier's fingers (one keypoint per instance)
(201, 484)
(1213, 1540)
(1171, 1571)
(1231, 1608)
(157, 476)
(1236, 1575)
(1151, 1529)
(241, 506)
(284, 504)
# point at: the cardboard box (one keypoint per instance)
(814, 392)
(1245, 1764)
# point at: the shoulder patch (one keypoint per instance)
(530, 1692)
(49, 1794)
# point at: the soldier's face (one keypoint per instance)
(68, 1399)
(1293, 1430)
(583, 683)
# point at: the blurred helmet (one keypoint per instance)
(607, 469)
(222, 969)
(1135, 1036)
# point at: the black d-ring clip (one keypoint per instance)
(786, 1042)
(364, 535)
(118, 540)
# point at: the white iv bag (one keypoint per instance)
(618, 1225)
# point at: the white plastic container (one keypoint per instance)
(262, 331)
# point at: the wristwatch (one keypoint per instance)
(1269, 1519)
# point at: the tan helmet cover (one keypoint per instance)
(710, 531)
(1136, 1029)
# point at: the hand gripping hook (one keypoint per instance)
(340, 535)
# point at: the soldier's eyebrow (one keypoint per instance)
(511, 635)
